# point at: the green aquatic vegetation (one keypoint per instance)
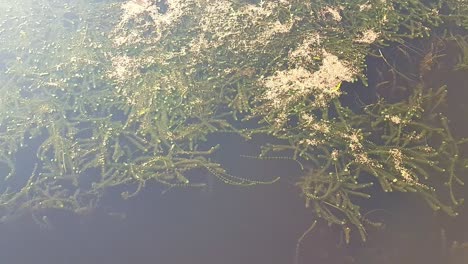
(454, 12)
(114, 95)
(462, 44)
(405, 147)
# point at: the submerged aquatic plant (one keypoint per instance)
(405, 146)
(109, 94)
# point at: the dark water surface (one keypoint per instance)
(228, 224)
